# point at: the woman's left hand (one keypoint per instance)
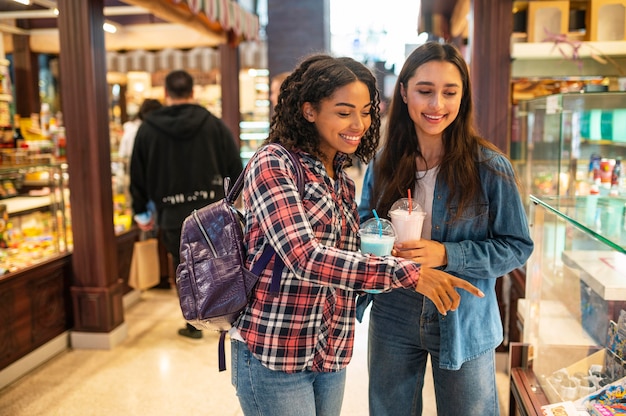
(428, 253)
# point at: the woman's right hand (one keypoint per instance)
(440, 287)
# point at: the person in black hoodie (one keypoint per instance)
(181, 154)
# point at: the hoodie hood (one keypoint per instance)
(179, 122)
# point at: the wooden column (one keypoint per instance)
(229, 66)
(491, 25)
(96, 287)
(296, 29)
(26, 69)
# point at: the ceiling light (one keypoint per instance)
(108, 27)
(24, 2)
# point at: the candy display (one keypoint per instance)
(601, 390)
(34, 216)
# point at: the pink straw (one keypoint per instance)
(410, 201)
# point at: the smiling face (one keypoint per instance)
(341, 120)
(433, 97)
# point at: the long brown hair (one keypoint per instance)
(395, 166)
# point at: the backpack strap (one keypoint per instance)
(233, 193)
(268, 250)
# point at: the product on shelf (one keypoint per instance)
(18, 138)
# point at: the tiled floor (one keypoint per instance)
(157, 372)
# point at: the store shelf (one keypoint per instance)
(553, 315)
(603, 271)
(263, 125)
(252, 134)
(26, 203)
(543, 50)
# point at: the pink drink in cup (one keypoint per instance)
(407, 219)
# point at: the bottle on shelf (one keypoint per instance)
(18, 138)
(594, 174)
(44, 119)
(616, 178)
(6, 136)
(60, 143)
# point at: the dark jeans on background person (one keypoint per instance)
(171, 241)
(165, 281)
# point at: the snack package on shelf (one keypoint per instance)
(605, 373)
(562, 409)
(598, 409)
(611, 400)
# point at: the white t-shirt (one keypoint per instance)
(424, 193)
(128, 138)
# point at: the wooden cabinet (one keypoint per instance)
(34, 307)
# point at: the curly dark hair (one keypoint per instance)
(313, 81)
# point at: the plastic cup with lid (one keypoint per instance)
(377, 236)
(407, 217)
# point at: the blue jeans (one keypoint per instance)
(264, 392)
(403, 331)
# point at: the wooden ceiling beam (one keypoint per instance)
(179, 14)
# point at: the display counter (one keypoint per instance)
(575, 290)
(553, 141)
(35, 258)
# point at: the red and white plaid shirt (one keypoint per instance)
(310, 324)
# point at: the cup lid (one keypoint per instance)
(372, 226)
(403, 205)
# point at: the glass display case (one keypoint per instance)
(252, 135)
(575, 290)
(122, 201)
(35, 220)
(254, 106)
(557, 135)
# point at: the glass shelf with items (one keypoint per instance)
(35, 220)
(122, 201)
(559, 134)
(575, 290)
(254, 106)
(252, 135)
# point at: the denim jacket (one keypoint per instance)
(491, 239)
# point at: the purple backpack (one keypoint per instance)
(213, 283)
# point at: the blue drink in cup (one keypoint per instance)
(377, 245)
(377, 237)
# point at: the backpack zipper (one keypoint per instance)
(203, 231)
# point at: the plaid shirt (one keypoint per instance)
(310, 324)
